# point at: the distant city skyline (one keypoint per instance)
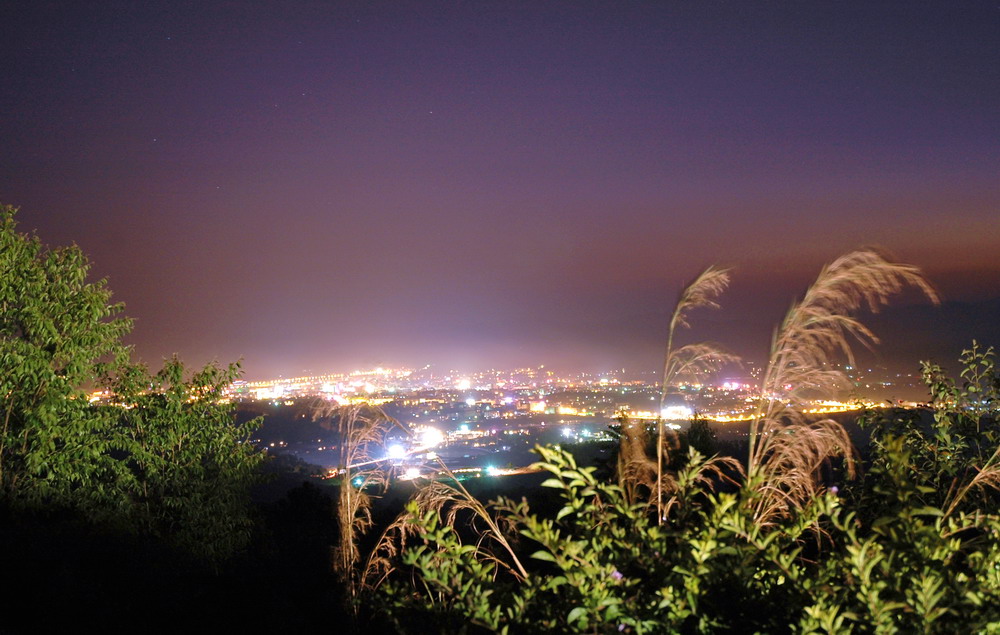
(325, 186)
(386, 384)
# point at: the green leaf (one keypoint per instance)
(543, 555)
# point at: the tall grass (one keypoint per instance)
(786, 452)
(362, 468)
(691, 360)
(451, 502)
(362, 429)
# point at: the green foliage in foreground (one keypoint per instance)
(164, 459)
(912, 546)
(57, 332)
(187, 467)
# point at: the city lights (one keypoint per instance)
(428, 437)
(411, 473)
(395, 451)
(676, 412)
(513, 410)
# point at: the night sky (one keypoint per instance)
(317, 186)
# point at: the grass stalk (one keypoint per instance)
(690, 360)
(785, 451)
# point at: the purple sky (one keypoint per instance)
(318, 186)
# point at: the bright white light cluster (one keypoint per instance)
(676, 412)
(428, 437)
(395, 451)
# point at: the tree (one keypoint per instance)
(58, 333)
(163, 457)
(187, 465)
